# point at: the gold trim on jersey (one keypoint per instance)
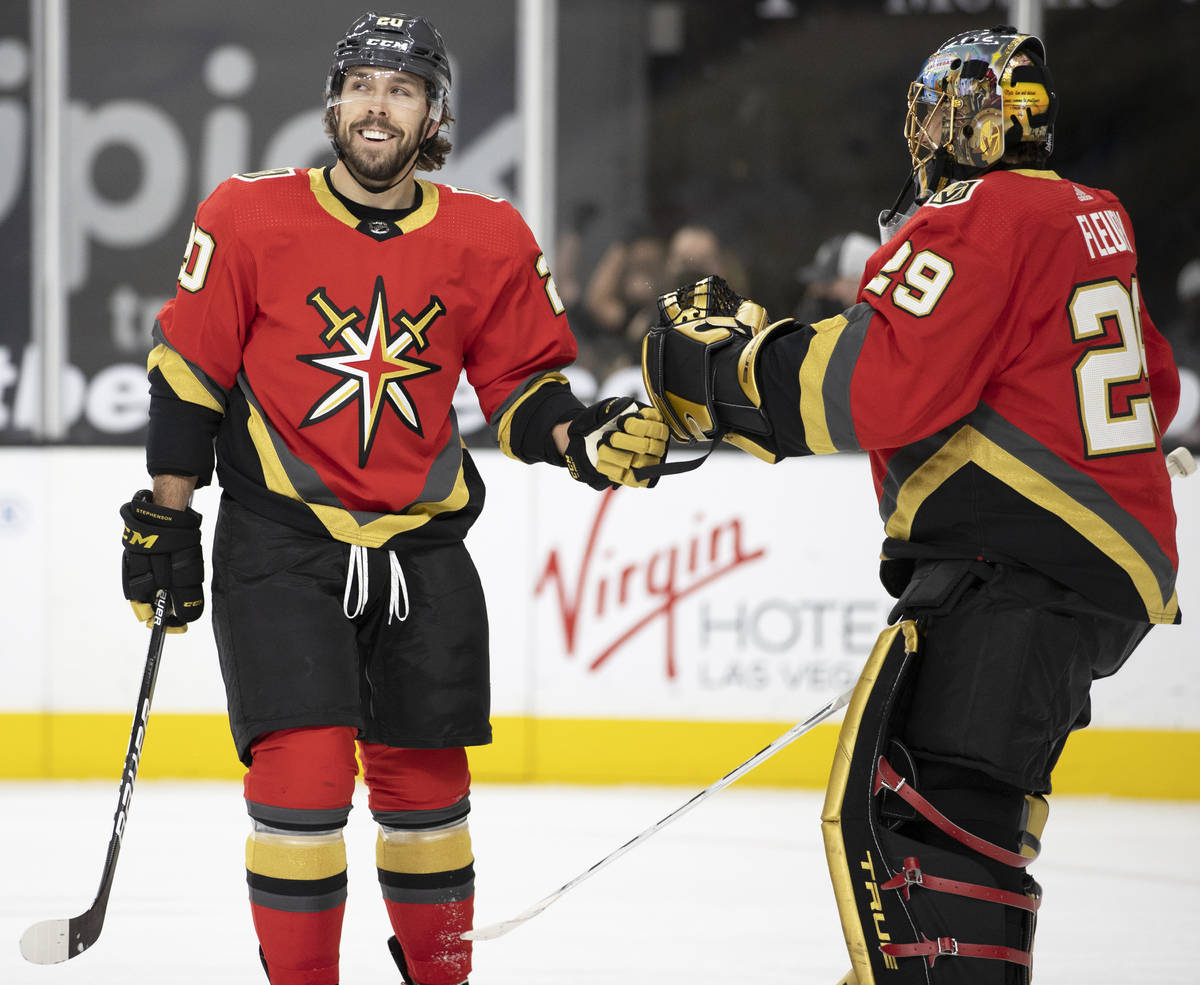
(1045, 173)
(339, 521)
(331, 204)
(969, 445)
(812, 380)
(504, 428)
(181, 378)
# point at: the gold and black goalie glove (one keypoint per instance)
(699, 366)
(162, 551)
(607, 441)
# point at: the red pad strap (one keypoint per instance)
(885, 776)
(948, 947)
(913, 876)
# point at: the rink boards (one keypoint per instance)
(639, 636)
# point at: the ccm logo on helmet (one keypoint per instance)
(386, 43)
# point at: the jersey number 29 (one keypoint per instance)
(1109, 428)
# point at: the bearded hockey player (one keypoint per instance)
(322, 320)
(1002, 372)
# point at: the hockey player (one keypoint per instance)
(320, 325)
(1002, 372)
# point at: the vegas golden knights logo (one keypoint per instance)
(371, 362)
(954, 194)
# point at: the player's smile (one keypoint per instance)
(375, 133)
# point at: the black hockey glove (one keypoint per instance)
(162, 551)
(609, 439)
(699, 365)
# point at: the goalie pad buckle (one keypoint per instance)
(910, 882)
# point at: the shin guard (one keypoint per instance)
(921, 899)
(423, 853)
(298, 793)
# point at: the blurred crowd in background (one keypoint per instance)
(757, 140)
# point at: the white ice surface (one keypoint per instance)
(734, 892)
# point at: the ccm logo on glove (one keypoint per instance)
(162, 552)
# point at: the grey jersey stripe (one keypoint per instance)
(312, 489)
(835, 387)
(518, 392)
(1075, 484)
(218, 393)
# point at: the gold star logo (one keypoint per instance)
(372, 364)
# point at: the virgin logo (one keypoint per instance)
(618, 599)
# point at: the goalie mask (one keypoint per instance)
(981, 94)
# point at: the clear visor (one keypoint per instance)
(366, 87)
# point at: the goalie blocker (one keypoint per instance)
(699, 366)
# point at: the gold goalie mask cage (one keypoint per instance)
(980, 94)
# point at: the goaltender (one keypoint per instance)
(1002, 372)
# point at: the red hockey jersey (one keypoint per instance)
(328, 349)
(1005, 376)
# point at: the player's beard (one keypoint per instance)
(377, 168)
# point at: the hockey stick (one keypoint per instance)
(1179, 464)
(52, 941)
(492, 931)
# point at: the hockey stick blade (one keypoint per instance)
(494, 930)
(53, 941)
(46, 942)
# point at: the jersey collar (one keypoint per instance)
(407, 223)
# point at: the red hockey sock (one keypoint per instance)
(299, 948)
(298, 791)
(423, 854)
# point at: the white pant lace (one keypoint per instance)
(356, 577)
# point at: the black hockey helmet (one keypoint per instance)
(397, 42)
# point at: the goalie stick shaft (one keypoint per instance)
(52, 941)
(492, 931)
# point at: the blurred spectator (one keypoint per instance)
(694, 252)
(1184, 336)
(620, 300)
(831, 280)
(567, 275)
(626, 280)
(1184, 333)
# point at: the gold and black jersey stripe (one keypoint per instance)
(984, 488)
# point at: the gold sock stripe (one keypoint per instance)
(422, 852)
(303, 857)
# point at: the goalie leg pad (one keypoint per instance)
(924, 896)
